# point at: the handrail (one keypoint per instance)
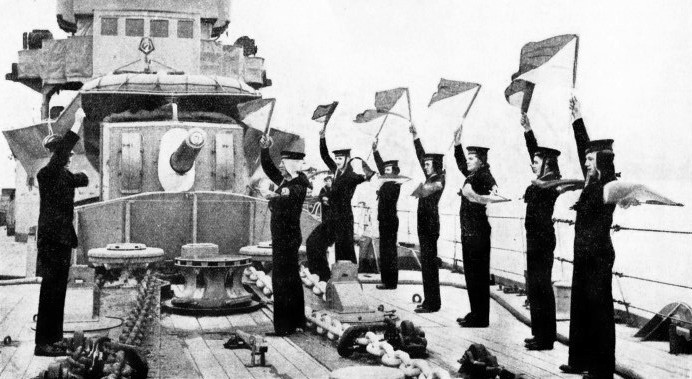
(615, 228)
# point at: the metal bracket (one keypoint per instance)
(253, 342)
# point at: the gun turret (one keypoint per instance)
(184, 156)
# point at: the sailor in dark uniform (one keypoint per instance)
(56, 236)
(592, 324)
(339, 228)
(325, 194)
(475, 229)
(387, 198)
(286, 206)
(429, 224)
(540, 241)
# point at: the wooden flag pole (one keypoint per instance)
(471, 103)
(463, 118)
(576, 58)
(408, 98)
(378, 134)
(382, 126)
(269, 119)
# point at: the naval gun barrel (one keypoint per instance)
(184, 156)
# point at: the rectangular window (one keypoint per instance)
(134, 27)
(158, 28)
(185, 29)
(109, 26)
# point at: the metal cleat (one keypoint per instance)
(255, 343)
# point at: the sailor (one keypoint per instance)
(324, 195)
(286, 205)
(56, 236)
(475, 229)
(592, 324)
(429, 224)
(387, 198)
(338, 229)
(540, 240)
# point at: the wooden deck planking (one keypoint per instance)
(241, 320)
(650, 359)
(206, 362)
(228, 360)
(503, 337)
(304, 362)
(278, 358)
(292, 358)
(184, 324)
(214, 324)
(262, 320)
(15, 359)
(166, 321)
(180, 362)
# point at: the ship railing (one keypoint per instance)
(362, 222)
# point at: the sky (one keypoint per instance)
(634, 75)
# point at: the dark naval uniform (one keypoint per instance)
(326, 208)
(475, 240)
(428, 233)
(55, 238)
(339, 227)
(289, 312)
(387, 198)
(592, 324)
(540, 245)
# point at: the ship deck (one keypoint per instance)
(192, 347)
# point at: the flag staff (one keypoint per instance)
(471, 103)
(576, 58)
(269, 119)
(378, 134)
(463, 118)
(382, 126)
(408, 99)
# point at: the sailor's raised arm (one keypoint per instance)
(420, 152)
(581, 136)
(324, 153)
(67, 142)
(268, 166)
(459, 152)
(378, 159)
(531, 142)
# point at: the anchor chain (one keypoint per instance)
(373, 343)
(261, 280)
(106, 359)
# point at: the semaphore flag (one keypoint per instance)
(368, 115)
(519, 94)
(386, 100)
(627, 194)
(324, 112)
(384, 103)
(448, 88)
(534, 55)
(257, 114)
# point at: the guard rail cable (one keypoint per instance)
(615, 228)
